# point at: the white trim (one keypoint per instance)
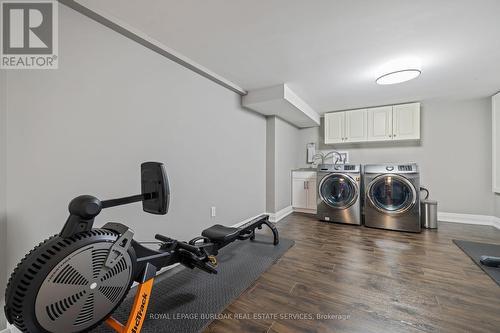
(470, 219)
(236, 225)
(496, 222)
(143, 39)
(276, 217)
(305, 210)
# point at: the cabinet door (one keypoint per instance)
(299, 193)
(380, 123)
(334, 127)
(406, 121)
(355, 126)
(311, 194)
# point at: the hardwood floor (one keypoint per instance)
(381, 281)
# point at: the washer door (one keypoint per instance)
(392, 194)
(338, 191)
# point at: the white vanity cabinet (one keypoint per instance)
(304, 191)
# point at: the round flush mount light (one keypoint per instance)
(398, 76)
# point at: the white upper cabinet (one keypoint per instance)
(355, 126)
(380, 123)
(343, 127)
(386, 123)
(334, 127)
(406, 121)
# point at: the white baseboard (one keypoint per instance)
(236, 225)
(275, 217)
(469, 219)
(307, 211)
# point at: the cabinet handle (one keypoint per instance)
(305, 188)
(307, 185)
(390, 135)
(394, 135)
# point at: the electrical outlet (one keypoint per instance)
(213, 211)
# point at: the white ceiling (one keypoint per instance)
(329, 51)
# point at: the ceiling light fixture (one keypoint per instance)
(398, 76)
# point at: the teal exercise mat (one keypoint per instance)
(187, 301)
(475, 250)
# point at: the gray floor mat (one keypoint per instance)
(475, 250)
(183, 291)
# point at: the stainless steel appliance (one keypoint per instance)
(392, 197)
(339, 194)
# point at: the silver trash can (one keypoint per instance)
(428, 214)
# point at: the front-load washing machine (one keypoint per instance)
(392, 196)
(339, 193)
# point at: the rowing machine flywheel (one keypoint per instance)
(63, 284)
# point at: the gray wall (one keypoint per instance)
(271, 165)
(3, 162)
(283, 151)
(454, 154)
(287, 158)
(86, 127)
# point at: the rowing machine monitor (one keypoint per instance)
(154, 180)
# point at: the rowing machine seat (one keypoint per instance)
(221, 234)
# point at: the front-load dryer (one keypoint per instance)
(339, 193)
(392, 196)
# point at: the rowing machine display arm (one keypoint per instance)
(154, 197)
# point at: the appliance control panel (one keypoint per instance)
(391, 168)
(339, 167)
(407, 167)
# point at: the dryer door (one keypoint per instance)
(338, 191)
(392, 194)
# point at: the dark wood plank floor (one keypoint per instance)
(372, 280)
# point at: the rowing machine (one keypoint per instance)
(75, 280)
